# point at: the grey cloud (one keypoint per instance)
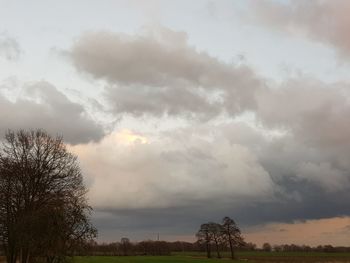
(323, 21)
(43, 106)
(160, 73)
(169, 172)
(170, 222)
(288, 158)
(294, 163)
(9, 47)
(314, 114)
(289, 161)
(188, 176)
(138, 100)
(325, 175)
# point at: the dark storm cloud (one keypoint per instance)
(43, 106)
(146, 223)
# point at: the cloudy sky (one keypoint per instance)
(183, 112)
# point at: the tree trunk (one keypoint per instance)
(217, 249)
(208, 250)
(232, 251)
(10, 250)
(231, 245)
(11, 254)
(24, 255)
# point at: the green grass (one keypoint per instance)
(146, 259)
(274, 257)
(195, 257)
(242, 254)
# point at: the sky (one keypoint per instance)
(183, 112)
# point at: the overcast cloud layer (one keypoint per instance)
(195, 135)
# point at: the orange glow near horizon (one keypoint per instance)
(329, 231)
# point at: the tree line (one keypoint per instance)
(304, 248)
(125, 247)
(44, 215)
(162, 248)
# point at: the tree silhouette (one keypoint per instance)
(43, 210)
(267, 247)
(232, 233)
(204, 236)
(125, 244)
(217, 235)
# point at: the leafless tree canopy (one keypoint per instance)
(43, 210)
(232, 234)
(204, 236)
(221, 236)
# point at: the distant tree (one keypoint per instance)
(306, 248)
(328, 248)
(43, 210)
(232, 234)
(277, 248)
(248, 246)
(267, 247)
(125, 245)
(204, 235)
(217, 236)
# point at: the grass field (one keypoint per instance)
(146, 259)
(257, 257)
(254, 257)
(285, 257)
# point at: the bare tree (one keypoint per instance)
(232, 234)
(125, 244)
(216, 231)
(267, 247)
(204, 236)
(42, 198)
